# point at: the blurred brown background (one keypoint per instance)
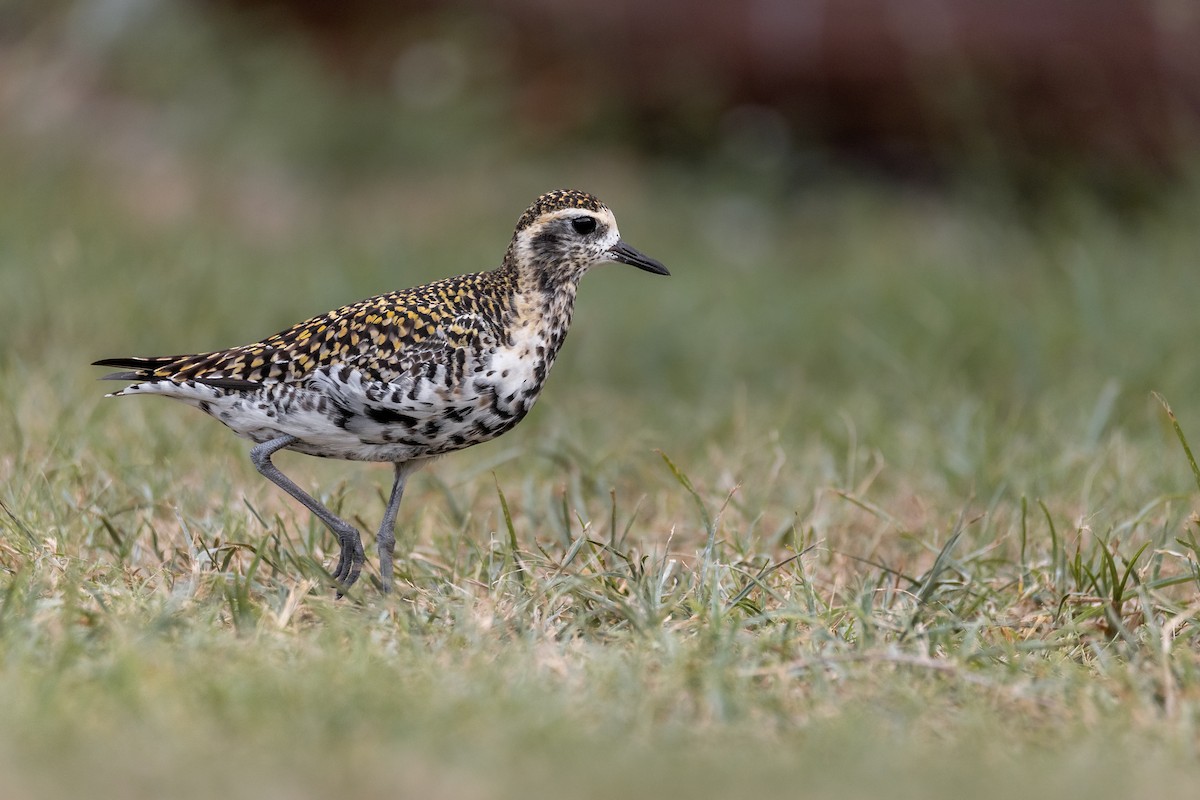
(903, 85)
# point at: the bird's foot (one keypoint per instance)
(350, 561)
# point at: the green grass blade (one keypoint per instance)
(709, 528)
(1182, 439)
(943, 558)
(512, 534)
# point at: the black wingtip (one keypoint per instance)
(134, 362)
(154, 369)
(135, 368)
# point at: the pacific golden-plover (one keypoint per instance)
(406, 376)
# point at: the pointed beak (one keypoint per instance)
(634, 257)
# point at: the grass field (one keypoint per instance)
(872, 496)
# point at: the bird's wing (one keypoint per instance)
(386, 338)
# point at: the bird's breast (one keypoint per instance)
(515, 369)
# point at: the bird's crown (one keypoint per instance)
(558, 200)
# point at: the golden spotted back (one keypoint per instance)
(383, 337)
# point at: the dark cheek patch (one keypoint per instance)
(546, 246)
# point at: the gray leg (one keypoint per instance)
(350, 561)
(386, 540)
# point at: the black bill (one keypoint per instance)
(632, 256)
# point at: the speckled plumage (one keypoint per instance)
(408, 375)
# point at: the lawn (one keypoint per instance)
(873, 496)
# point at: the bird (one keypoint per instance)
(403, 377)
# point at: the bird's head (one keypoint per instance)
(566, 232)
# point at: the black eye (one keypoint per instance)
(584, 225)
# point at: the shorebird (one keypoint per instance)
(406, 376)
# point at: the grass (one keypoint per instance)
(873, 495)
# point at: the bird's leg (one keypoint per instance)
(351, 559)
(386, 540)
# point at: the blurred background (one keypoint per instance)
(891, 209)
(909, 88)
(914, 89)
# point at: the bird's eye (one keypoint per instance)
(584, 225)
